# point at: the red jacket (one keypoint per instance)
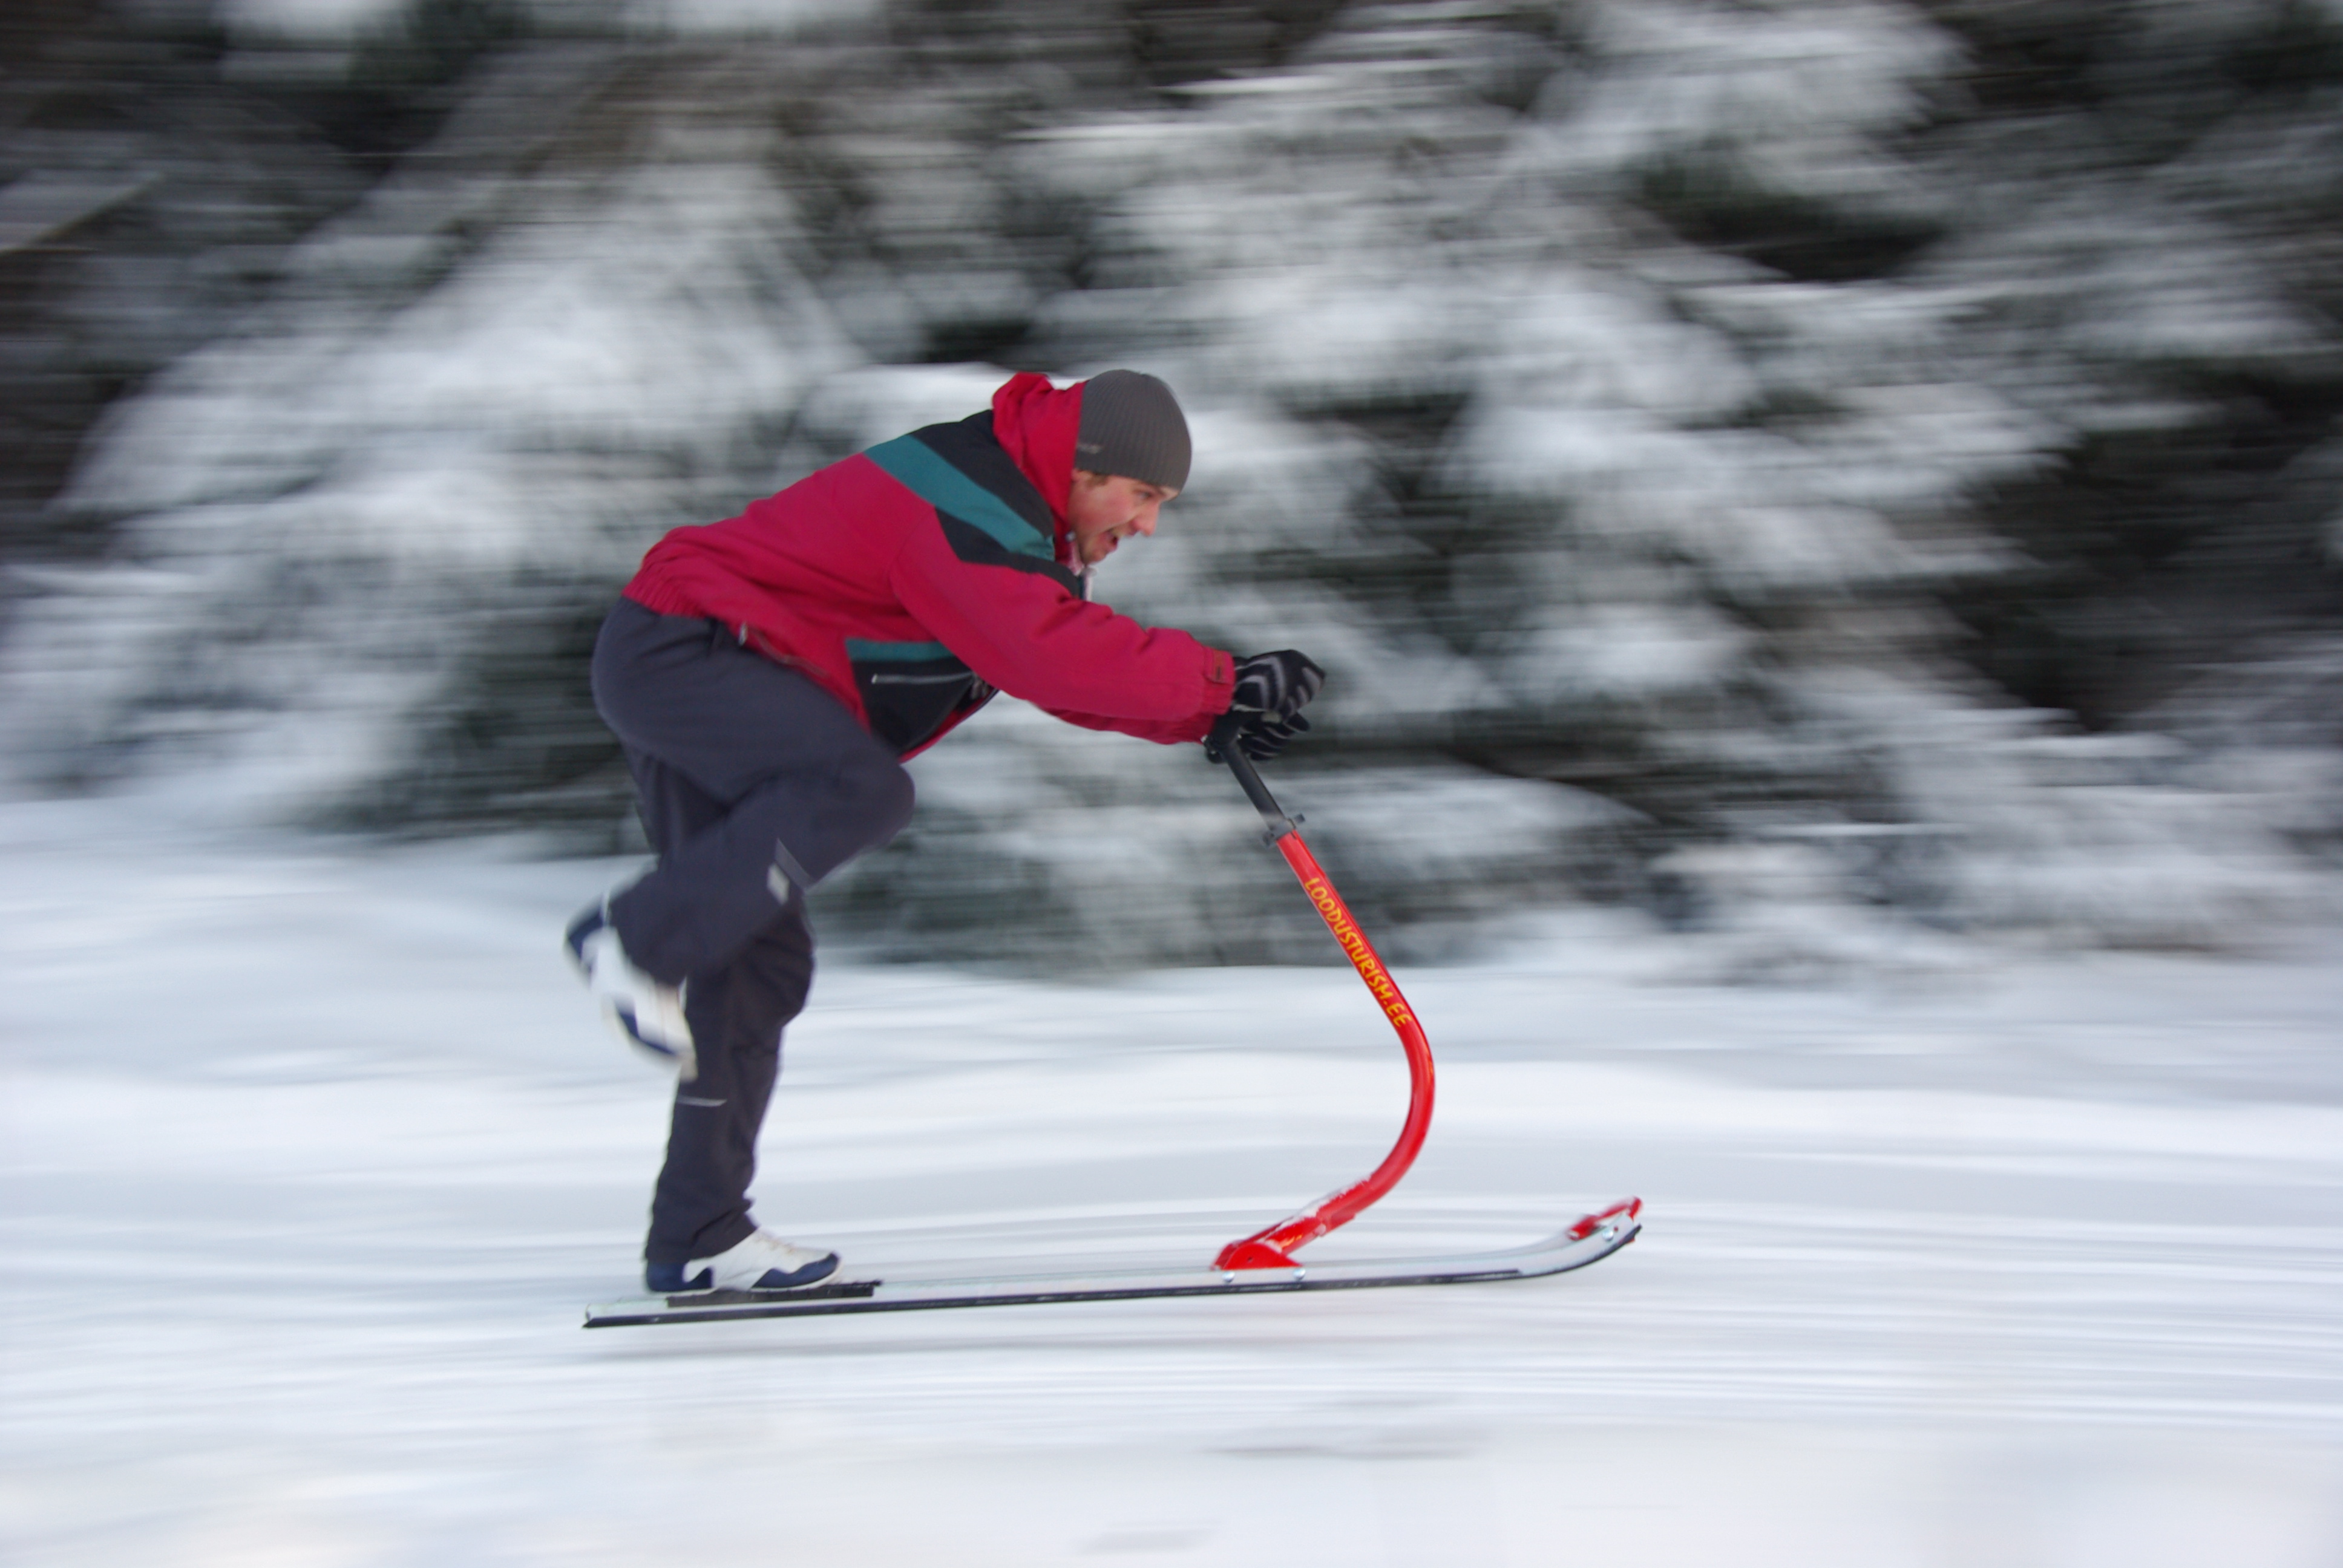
(911, 580)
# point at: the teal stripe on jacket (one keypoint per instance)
(861, 649)
(917, 466)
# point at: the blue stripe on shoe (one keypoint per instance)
(668, 1279)
(664, 1279)
(821, 1268)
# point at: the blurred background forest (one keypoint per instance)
(1827, 476)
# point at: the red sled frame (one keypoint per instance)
(1273, 1248)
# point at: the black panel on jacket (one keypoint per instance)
(979, 549)
(969, 446)
(907, 701)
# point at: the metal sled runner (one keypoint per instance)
(1591, 1239)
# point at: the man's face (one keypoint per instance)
(1104, 510)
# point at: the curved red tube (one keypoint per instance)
(1272, 1248)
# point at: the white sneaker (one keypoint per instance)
(762, 1262)
(649, 1014)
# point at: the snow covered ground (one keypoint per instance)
(313, 1155)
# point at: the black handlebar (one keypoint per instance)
(1223, 739)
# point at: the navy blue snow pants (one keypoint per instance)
(755, 784)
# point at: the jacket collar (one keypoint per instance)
(1035, 424)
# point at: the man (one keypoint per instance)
(768, 677)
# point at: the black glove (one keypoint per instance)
(1270, 692)
(1277, 686)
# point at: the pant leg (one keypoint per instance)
(732, 755)
(700, 1204)
(737, 1009)
(803, 787)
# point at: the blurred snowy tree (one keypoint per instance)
(1734, 458)
(152, 175)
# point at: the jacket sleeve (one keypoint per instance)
(1169, 732)
(1016, 624)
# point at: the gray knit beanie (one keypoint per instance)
(1132, 426)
